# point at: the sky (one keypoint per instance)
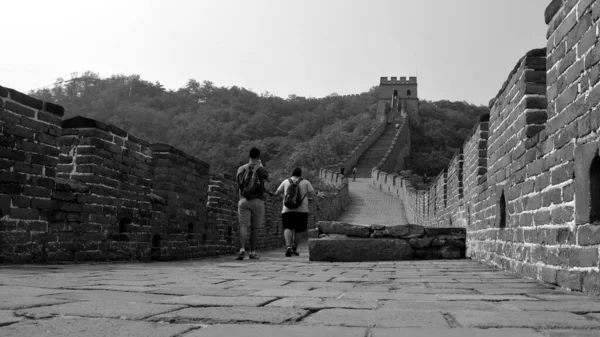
(460, 50)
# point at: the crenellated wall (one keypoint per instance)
(530, 172)
(81, 190)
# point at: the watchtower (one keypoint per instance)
(401, 94)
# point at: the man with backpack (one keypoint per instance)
(251, 179)
(294, 215)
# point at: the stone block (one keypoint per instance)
(353, 250)
(335, 227)
(405, 231)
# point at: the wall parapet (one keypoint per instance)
(84, 190)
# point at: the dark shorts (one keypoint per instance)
(296, 221)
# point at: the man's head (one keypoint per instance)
(254, 153)
(297, 172)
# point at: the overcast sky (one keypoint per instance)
(459, 49)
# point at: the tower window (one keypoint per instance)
(502, 211)
(408, 92)
(595, 190)
(395, 93)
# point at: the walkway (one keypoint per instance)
(373, 155)
(278, 296)
(369, 206)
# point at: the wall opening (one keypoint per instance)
(595, 190)
(190, 231)
(445, 195)
(229, 234)
(204, 238)
(395, 93)
(124, 229)
(502, 211)
(408, 92)
(156, 243)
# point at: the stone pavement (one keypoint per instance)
(369, 206)
(279, 296)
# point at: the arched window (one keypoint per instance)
(395, 93)
(502, 211)
(408, 92)
(595, 190)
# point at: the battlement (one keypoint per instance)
(395, 80)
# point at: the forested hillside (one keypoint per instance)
(219, 124)
(442, 128)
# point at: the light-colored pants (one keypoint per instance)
(251, 213)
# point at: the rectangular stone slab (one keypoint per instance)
(354, 250)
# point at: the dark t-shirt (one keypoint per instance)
(263, 176)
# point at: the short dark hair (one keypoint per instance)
(297, 172)
(254, 153)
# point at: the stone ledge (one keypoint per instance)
(342, 242)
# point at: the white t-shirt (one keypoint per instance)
(305, 187)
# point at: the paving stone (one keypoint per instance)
(104, 308)
(295, 293)
(323, 303)
(520, 319)
(400, 296)
(91, 327)
(214, 315)
(379, 318)
(7, 317)
(380, 332)
(418, 305)
(583, 305)
(103, 295)
(320, 286)
(477, 297)
(253, 284)
(28, 302)
(270, 330)
(217, 301)
(531, 292)
(113, 288)
(206, 291)
(571, 333)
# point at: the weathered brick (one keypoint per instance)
(24, 213)
(569, 279)
(592, 57)
(562, 215)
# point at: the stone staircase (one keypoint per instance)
(374, 154)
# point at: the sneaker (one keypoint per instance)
(254, 256)
(295, 252)
(240, 256)
(288, 251)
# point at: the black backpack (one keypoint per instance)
(249, 183)
(292, 198)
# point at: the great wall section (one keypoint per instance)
(525, 186)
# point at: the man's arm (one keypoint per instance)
(280, 189)
(311, 191)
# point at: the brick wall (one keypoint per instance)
(29, 150)
(81, 189)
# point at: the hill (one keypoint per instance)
(439, 133)
(219, 124)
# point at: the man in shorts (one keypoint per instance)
(251, 210)
(295, 220)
